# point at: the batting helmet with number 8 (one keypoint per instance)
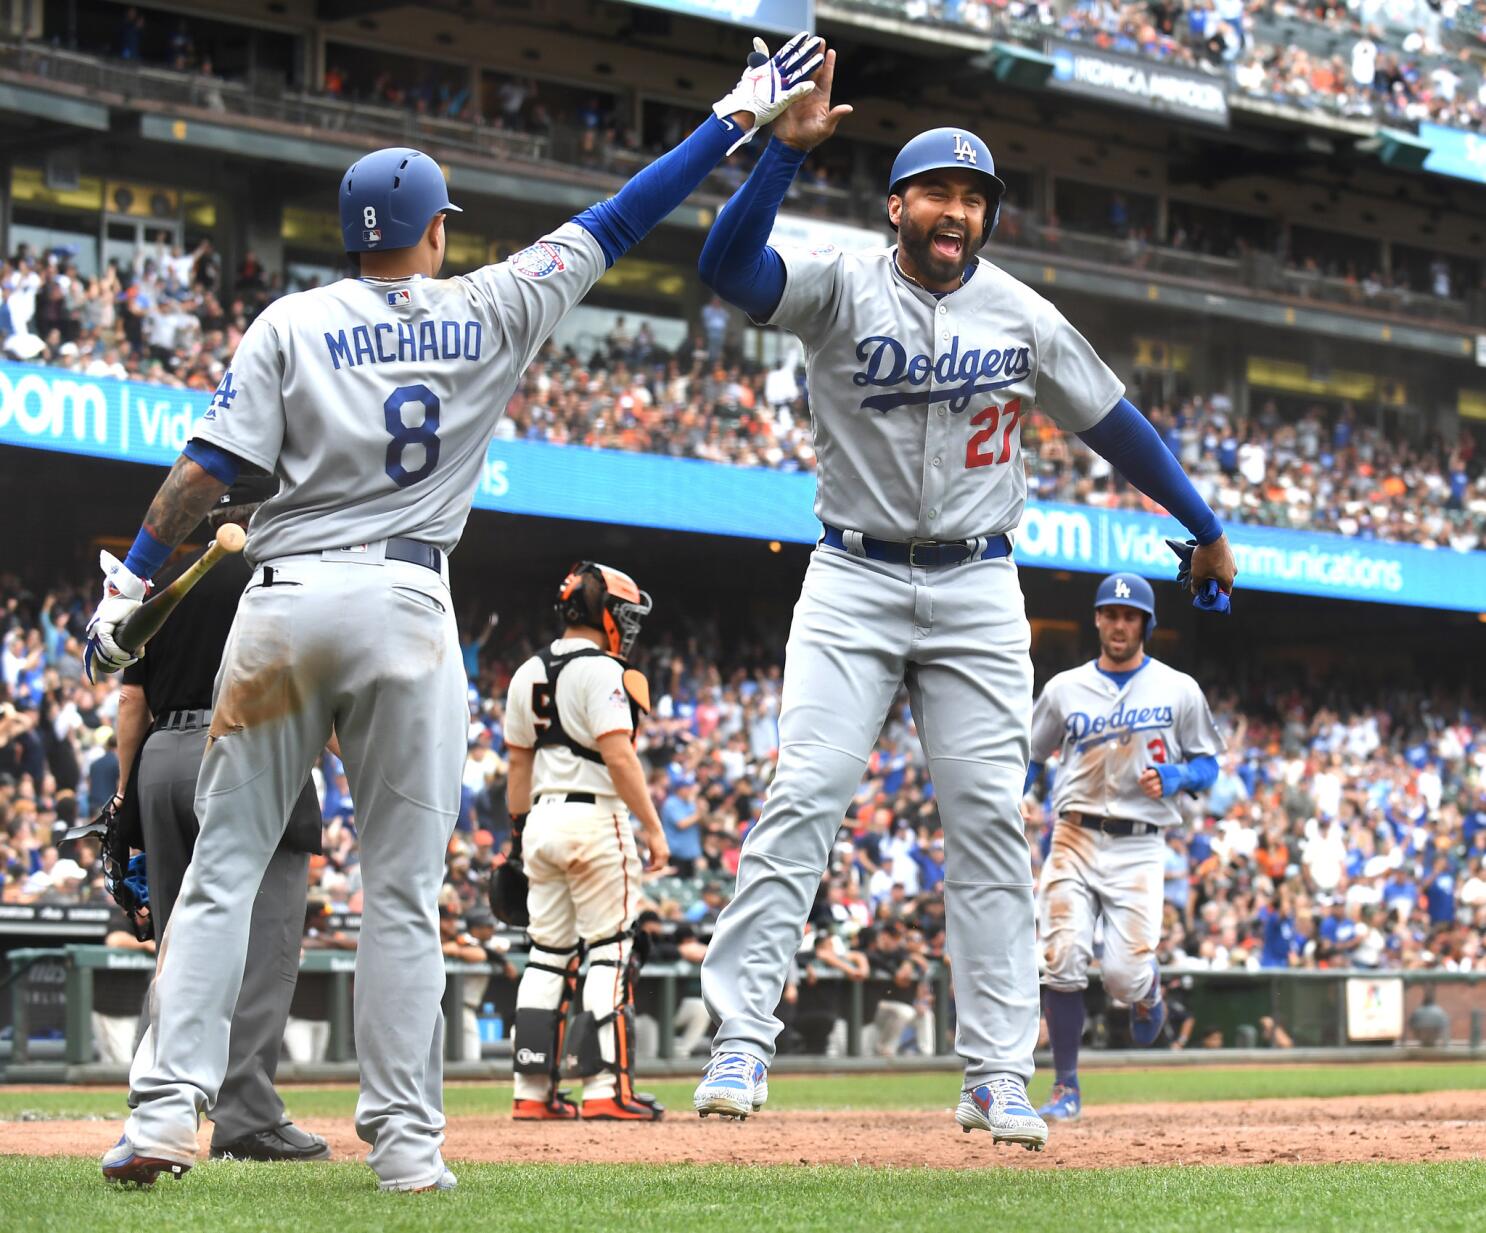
(388, 197)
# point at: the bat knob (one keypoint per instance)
(231, 537)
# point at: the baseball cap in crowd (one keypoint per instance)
(479, 916)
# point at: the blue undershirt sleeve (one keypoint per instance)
(1200, 773)
(736, 260)
(1127, 439)
(1034, 773)
(214, 460)
(621, 222)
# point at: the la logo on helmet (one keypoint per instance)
(1122, 589)
(963, 149)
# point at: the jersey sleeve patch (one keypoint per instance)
(541, 260)
(638, 688)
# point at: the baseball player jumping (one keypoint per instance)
(923, 359)
(571, 714)
(1130, 734)
(373, 401)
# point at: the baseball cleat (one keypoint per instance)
(556, 1108)
(733, 1085)
(1147, 1018)
(1064, 1105)
(1001, 1106)
(125, 1163)
(446, 1181)
(612, 1109)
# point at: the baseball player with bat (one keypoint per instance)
(373, 400)
(923, 359)
(1131, 735)
(571, 716)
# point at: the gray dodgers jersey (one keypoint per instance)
(1106, 736)
(917, 403)
(374, 400)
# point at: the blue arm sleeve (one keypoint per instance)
(1128, 440)
(737, 261)
(1034, 773)
(627, 217)
(214, 460)
(1191, 776)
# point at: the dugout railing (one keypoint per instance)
(830, 1019)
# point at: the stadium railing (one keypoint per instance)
(1318, 1008)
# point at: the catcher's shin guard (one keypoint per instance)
(594, 1052)
(542, 1002)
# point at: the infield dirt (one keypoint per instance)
(1435, 1126)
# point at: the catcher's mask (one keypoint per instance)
(604, 599)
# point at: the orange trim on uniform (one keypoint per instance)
(621, 1044)
(614, 732)
(522, 748)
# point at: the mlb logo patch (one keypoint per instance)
(372, 235)
(538, 261)
(396, 299)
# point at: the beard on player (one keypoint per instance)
(940, 252)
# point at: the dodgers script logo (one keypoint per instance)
(1088, 731)
(886, 364)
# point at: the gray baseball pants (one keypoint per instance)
(958, 636)
(369, 647)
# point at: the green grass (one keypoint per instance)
(874, 1091)
(57, 1196)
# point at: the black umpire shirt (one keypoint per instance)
(179, 667)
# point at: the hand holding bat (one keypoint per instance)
(145, 621)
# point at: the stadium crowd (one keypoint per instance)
(1343, 829)
(171, 317)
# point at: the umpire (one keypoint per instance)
(165, 705)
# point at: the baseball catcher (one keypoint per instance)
(570, 728)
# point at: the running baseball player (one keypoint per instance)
(1131, 734)
(922, 360)
(373, 400)
(574, 781)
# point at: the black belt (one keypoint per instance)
(416, 552)
(923, 553)
(182, 721)
(568, 798)
(1112, 826)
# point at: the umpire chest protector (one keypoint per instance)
(550, 730)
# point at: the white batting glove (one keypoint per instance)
(122, 594)
(771, 83)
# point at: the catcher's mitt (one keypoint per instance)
(124, 877)
(508, 885)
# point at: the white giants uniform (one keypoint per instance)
(917, 402)
(373, 401)
(579, 849)
(1105, 736)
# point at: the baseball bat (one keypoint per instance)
(144, 623)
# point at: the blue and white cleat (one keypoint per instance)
(733, 1085)
(1001, 1106)
(1147, 1018)
(127, 1164)
(1064, 1105)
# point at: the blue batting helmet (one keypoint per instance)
(388, 197)
(1132, 591)
(942, 149)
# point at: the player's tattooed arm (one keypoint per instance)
(184, 499)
